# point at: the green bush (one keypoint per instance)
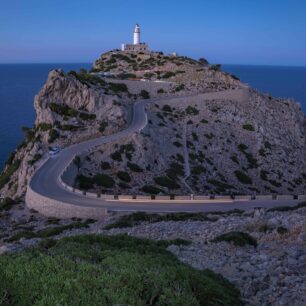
(150, 189)
(85, 182)
(6, 203)
(103, 180)
(216, 67)
(243, 177)
(63, 110)
(9, 171)
(116, 156)
(108, 270)
(248, 127)
(168, 75)
(237, 238)
(103, 126)
(160, 91)
(118, 87)
(167, 108)
(165, 181)
(43, 126)
(144, 94)
(124, 176)
(105, 165)
(177, 144)
(36, 157)
(190, 110)
(87, 116)
(134, 167)
(53, 135)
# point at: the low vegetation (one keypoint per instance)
(243, 177)
(237, 238)
(138, 217)
(108, 270)
(8, 172)
(49, 231)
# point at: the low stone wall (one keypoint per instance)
(58, 209)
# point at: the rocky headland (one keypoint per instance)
(206, 133)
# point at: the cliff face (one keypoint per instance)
(68, 111)
(207, 132)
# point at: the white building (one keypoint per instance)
(137, 45)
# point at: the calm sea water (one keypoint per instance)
(19, 84)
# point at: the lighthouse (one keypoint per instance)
(137, 46)
(137, 34)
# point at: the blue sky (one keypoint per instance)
(266, 32)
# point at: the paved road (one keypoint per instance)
(45, 180)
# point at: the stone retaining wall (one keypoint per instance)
(53, 208)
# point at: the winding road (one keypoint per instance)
(45, 180)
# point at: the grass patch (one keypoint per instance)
(237, 238)
(102, 270)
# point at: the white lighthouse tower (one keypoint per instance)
(137, 34)
(136, 46)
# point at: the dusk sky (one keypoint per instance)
(266, 32)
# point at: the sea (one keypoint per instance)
(19, 83)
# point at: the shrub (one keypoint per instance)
(9, 171)
(68, 127)
(165, 181)
(118, 87)
(63, 109)
(248, 127)
(243, 177)
(124, 176)
(103, 126)
(43, 126)
(36, 157)
(116, 156)
(103, 180)
(237, 238)
(53, 135)
(160, 91)
(109, 270)
(216, 67)
(168, 75)
(85, 182)
(167, 108)
(105, 165)
(282, 230)
(144, 94)
(29, 134)
(134, 167)
(190, 110)
(6, 203)
(150, 189)
(175, 170)
(87, 116)
(177, 144)
(77, 161)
